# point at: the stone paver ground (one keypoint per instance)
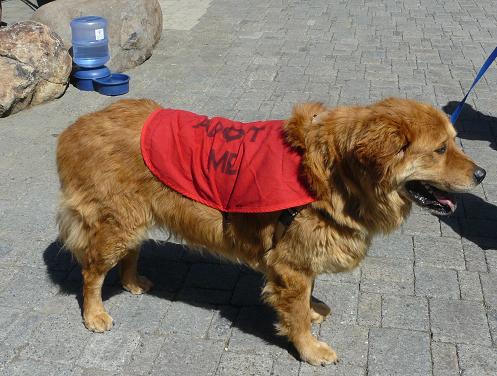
(424, 302)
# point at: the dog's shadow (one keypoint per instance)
(186, 276)
(476, 221)
(476, 217)
(473, 124)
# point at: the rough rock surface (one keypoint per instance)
(34, 66)
(134, 26)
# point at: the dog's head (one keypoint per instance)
(395, 145)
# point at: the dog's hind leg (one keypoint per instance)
(95, 316)
(106, 248)
(130, 280)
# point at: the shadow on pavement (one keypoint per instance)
(478, 222)
(177, 275)
(474, 125)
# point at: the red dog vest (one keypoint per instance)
(224, 164)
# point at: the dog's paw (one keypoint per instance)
(316, 318)
(320, 308)
(98, 322)
(318, 353)
(319, 311)
(138, 286)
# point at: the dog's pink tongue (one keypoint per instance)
(445, 200)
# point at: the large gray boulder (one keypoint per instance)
(34, 66)
(134, 26)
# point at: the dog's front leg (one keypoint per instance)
(289, 292)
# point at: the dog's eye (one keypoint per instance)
(403, 148)
(441, 150)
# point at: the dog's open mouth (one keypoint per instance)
(427, 196)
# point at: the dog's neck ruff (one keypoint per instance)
(224, 164)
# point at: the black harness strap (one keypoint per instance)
(287, 216)
(284, 221)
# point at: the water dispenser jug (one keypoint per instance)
(89, 41)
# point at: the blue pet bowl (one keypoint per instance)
(83, 78)
(115, 84)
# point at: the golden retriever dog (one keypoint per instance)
(365, 164)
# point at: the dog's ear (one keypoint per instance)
(301, 122)
(379, 144)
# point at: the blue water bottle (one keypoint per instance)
(89, 41)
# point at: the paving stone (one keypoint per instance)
(489, 283)
(474, 228)
(492, 322)
(8, 318)
(491, 192)
(491, 258)
(15, 291)
(47, 339)
(369, 310)
(30, 367)
(187, 319)
(439, 252)
(435, 282)
(477, 360)
(201, 257)
(211, 276)
(254, 332)
(421, 225)
(248, 290)
(233, 364)
(110, 351)
(165, 274)
(182, 355)
(352, 276)
(450, 227)
(405, 312)
(387, 276)
(143, 313)
(476, 206)
(5, 248)
(444, 357)
(341, 298)
(205, 296)
(393, 246)
(163, 248)
(285, 365)
(350, 342)
(19, 333)
(470, 285)
(332, 370)
(144, 355)
(222, 322)
(458, 321)
(475, 257)
(399, 352)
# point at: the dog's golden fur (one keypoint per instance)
(355, 159)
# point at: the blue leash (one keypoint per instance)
(483, 69)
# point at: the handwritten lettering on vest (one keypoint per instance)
(225, 160)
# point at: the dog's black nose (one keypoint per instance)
(479, 174)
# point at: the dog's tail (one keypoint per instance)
(73, 232)
(297, 126)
